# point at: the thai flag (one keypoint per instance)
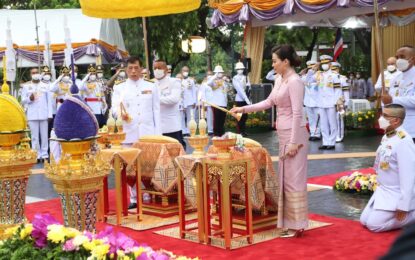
(338, 44)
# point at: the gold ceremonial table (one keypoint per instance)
(121, 159)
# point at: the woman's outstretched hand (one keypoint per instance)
(236, 110)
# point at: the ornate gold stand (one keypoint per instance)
(78, 178)
(15, 163)
(198, 143)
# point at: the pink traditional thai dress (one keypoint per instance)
(287, 96)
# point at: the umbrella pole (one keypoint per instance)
(146, 44)
(379, 47)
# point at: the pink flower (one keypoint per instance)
(69, 246)
(358, 185)
(40, 228)
(117, 240)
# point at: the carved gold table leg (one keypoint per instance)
(182, 218)
(200, 202)
(206, 199)
(118, 189)
(226, 207)
(248, 204)
(139, 192)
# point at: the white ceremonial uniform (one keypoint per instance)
(206, 95)
(394, 164)
(241, 84)
(142, 103)
(170, 95)
(271, 76)
(311, 103)
(402, 90)
(329, 92)
(189, 101)
(388, 78)
(60, 91)
(219, 91)
(344, 83)
(94, 96)
(38, 112)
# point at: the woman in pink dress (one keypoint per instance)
(287, 96)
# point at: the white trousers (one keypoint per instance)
(312, 115)
(340, 126)
(328, 125)
(209, 119)
(377, 220)
(186, 115)
(40, 142)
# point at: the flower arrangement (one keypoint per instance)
(362, 120)
(45, 238)
(255, 120)
(357, 182)
(240, 143)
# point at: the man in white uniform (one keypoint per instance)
(390, 73)
(60, 88)
(206, 95)
(342, 101)
(37, 98)
(311, 103)
(94, 95)
(392, 205)
(189, 98)
(329, 91)
(219, 98)
(242, 86)
(141, 102)
(402, 87)
(170, 95)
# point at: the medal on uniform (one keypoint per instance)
(397, 93)
(384, 165)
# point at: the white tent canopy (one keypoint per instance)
(353, 17)
(82, 29)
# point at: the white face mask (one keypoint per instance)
(358, 76)
(158, 74)
(36, 77)
(185, 74)
(122, 74)
(100, 75)
(65, 79)
(391, 68)
(46, 77)
(325, 67)
(240, 72)
(383, 123)
(220, 74)
(402, 64)
(76, 75)
(92, 77)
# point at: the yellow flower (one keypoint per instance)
(138, 251)
(71, 232)
(26, 231)
(120, 253)
(366, 117)
(126, 258)
(11, 231)
(100, 251)
(360, 119)
(373, 116)
(369, 112)
(56, 233)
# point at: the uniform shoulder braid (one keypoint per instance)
(401, 134)
(119, 81)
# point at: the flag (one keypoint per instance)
(338, 44)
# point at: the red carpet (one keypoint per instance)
(330, 179)
(345, 239)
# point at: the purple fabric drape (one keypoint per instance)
(59, 57)
(289, 7)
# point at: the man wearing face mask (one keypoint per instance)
(60, 88)
(390, 73)
(36, 96)
(189, 98)
(329, 88)
(94, 95)
(358, 87)
(342, 101)
(219, 98)
(392, 205)
(311, 103)
(242, 87)
(402, 87)
(170, 96)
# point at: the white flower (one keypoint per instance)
(79, 240)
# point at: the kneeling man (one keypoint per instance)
(392, 205)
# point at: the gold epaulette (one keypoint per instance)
(150, 80)
(346, 88)
(336, 85)
(119, 81)
(401, 134)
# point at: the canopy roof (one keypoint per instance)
(302, 12)
(83, 28)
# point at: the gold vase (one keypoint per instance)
(78, 178)
(198, 143)
(224, 146)
(15, 164)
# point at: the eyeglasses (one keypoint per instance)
(390, 116)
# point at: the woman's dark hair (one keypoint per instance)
(286, 51)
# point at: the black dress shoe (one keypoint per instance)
(330, 147)
(323, 147)
(132, 206)
(311, 138)
(317, 138)
(244, 134)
